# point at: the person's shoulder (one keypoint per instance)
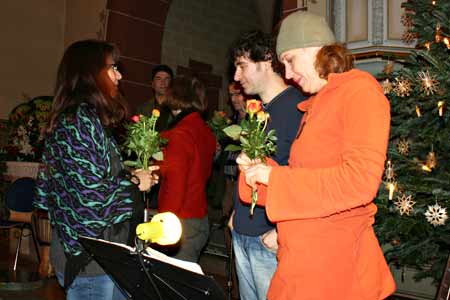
(86, 110)
(359, 79)
(287, 101)
(291, 96)
(360, 87)
(86, 115)
(294, 92)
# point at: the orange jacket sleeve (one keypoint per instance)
(245, 191)
(301, 193)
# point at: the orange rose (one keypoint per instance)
(253, 106)
(156, 113)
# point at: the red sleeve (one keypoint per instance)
(174, 170)
(300, 193)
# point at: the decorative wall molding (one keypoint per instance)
(370, 26)
(393, 29)
(358, 25)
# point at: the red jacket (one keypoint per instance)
(322, 201)
(187, 164)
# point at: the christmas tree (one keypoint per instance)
(414, 199)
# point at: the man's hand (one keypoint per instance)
(230, 220)
(270, 239)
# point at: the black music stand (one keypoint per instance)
(166, 282)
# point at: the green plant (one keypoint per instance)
(26, 124)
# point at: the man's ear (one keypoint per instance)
(267, 65)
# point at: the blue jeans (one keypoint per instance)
(255, 265)
(98, 287)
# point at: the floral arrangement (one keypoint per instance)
(217, 123)
(144, 141)
(26, 125)
(254, 141)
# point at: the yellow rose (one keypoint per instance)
(156, 113)
(261, 116)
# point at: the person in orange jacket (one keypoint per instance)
(322, 202)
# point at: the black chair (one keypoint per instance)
(19, 197)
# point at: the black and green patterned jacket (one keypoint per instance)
(76, 184)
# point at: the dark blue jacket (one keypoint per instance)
(285, 119)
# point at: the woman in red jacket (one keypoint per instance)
(186, 167)
(322, 202)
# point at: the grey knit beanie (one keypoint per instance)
(303, 29)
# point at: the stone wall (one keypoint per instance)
(203, 31)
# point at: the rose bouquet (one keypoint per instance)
(217, 123)
(144, 141)
(254, 140)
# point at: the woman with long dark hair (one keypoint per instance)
(82, 182)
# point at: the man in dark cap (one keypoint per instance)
(161, 79)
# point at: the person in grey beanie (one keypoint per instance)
(322, 202)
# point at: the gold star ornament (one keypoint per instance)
(404, 204)
(402, 87)
(429, 83)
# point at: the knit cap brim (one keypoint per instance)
(301, 30)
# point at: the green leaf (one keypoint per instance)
(233, 131)
(233, 148)
(158, 155)
(130, 163)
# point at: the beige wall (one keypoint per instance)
(84, 20)
(35, 33)
(395, 27)
(33, 37)
(357, 24)
(31, 43)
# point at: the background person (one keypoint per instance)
(162, 76)
(322, 202)
(237, 100)
(82, 182)
(187, 165)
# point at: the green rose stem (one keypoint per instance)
(254, 156)
(145, 164)
(254, 141)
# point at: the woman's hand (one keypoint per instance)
(147, 178)
(257, 174)
(253, 170)
(244, 162)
